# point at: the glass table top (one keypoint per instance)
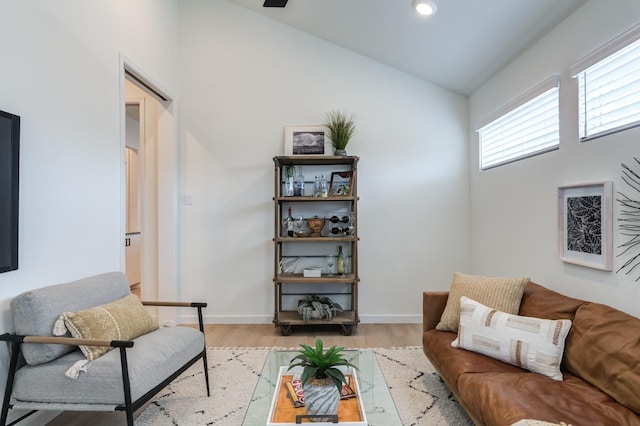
(376, 397)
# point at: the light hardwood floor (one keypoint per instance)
(266, 335)
(365, 336)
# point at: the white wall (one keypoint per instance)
(513, 207)
(60, 73)
(243, 77)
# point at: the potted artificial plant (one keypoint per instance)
(321, 378)
(320, 307)
(341, 130)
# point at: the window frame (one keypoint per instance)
(593, 59)
(533, 94)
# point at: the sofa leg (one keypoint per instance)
(13, 364)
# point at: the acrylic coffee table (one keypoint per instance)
(376, 398)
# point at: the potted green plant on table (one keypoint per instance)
(321, 378)
(341, 130)
(320, 307)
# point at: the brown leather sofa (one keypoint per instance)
(601, 367)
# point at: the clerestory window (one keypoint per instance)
(527, 126)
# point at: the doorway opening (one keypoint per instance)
(149, 187)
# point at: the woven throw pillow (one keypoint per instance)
(123, 319)
(531, 343)
(503, 294)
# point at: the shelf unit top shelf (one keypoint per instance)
(315, 160)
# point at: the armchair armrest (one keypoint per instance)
(175, 304)
(433, 304)
(52, 340)
(197, 305)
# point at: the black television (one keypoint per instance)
(9, 175)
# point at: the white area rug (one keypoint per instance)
(419, 395)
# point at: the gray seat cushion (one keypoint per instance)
(153, 358)
(35, 312)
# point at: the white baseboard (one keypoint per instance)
(391, 319)
(268, 319)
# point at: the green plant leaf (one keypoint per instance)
(341, 128)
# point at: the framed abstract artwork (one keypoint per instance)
(585, 224)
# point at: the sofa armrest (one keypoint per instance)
(433, 304)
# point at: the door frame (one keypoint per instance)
(167, 285)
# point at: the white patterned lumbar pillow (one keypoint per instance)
(531, 343)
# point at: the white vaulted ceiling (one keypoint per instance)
(460, 47)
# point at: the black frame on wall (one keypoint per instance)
(9, 190)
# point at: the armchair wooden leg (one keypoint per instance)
(206, 370)
(204, 357)
(15, 351)
(126, 386)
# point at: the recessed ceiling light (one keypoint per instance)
(425, 7)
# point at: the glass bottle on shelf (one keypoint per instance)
(340, 262)
(290, 224)
(299, 189)
(352, 223)
(324, 187)
(316, 187)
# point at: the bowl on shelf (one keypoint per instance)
(315, 225)
(302, 234)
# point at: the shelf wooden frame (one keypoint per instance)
(286, 318)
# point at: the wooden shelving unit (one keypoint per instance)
(289, 287)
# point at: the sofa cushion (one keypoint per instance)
(540, 302)
(35, 312)
(604, 349)
(122, 319)
(153, 358)
(503, 294)
(450, 362)
(501, 399)
(531, 343)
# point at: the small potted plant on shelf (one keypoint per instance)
(288, 181)
(321, 378)
(320, 307)
(341, 130)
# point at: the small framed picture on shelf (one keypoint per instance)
(307, 140)
(341, 183)
(585, 224)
